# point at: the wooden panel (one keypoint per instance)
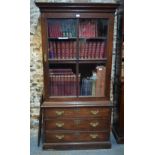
(77, 145)
(77, 124)
(75, 136)
(76, 112)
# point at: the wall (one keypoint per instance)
(36, 68)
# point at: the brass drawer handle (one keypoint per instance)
(59, 124)
(94, 124)
(93, 136)
(59, 136)
(59, 113)
(94, 112)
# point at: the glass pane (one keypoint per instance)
(93, 28)
(92, 49)
(62, 57)
(92, 81)
(62, 39)
(62, 80)
(61, 28)
(60, 49)
(93, 38)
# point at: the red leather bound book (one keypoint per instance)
(102, 50)
(89, 50)
(55, 50)
(97, 55)
(63, 50)
(86, 50)
(58, 50)
(70, 50)
(66, 50)
(82, 50)
(93, 50)
(74, 49)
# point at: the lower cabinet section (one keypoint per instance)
(76, 127)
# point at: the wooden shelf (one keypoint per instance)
(94, 38)
(85, 61)
(62, 38)
(66, 61)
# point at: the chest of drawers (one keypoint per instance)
(76, 127)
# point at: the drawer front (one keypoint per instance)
(59, 112)
(57, 137)
(94, 112)
(77, 124)
(77, 112)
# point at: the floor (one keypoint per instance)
(117, 149)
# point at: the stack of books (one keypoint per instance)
(87, 28)
(62, 49)
(63, 82)
(94, 85)
(62, 28)
(92, 50)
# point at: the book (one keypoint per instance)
(100, 81)
(93, 77)
(102, 50)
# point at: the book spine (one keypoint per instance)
(70, 50)
(103, 74)
(93, 87)
(74, 49)
(58, 50)
(63, 50)
(82, 50)
(86, 51)
(89, 50)
(102, 50)
(97, 54)
(54, 50)
(93, 50)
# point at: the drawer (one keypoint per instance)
(58, 112)
(94, 112)
(77, 124)
(57, 137)
(77, 112)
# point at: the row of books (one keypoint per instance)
(92, 50)
(63, 82)
(62, 28)
(62, 50)
(88, 28)
(67, 50)
(94, 85)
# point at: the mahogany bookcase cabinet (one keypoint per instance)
(77, 40)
